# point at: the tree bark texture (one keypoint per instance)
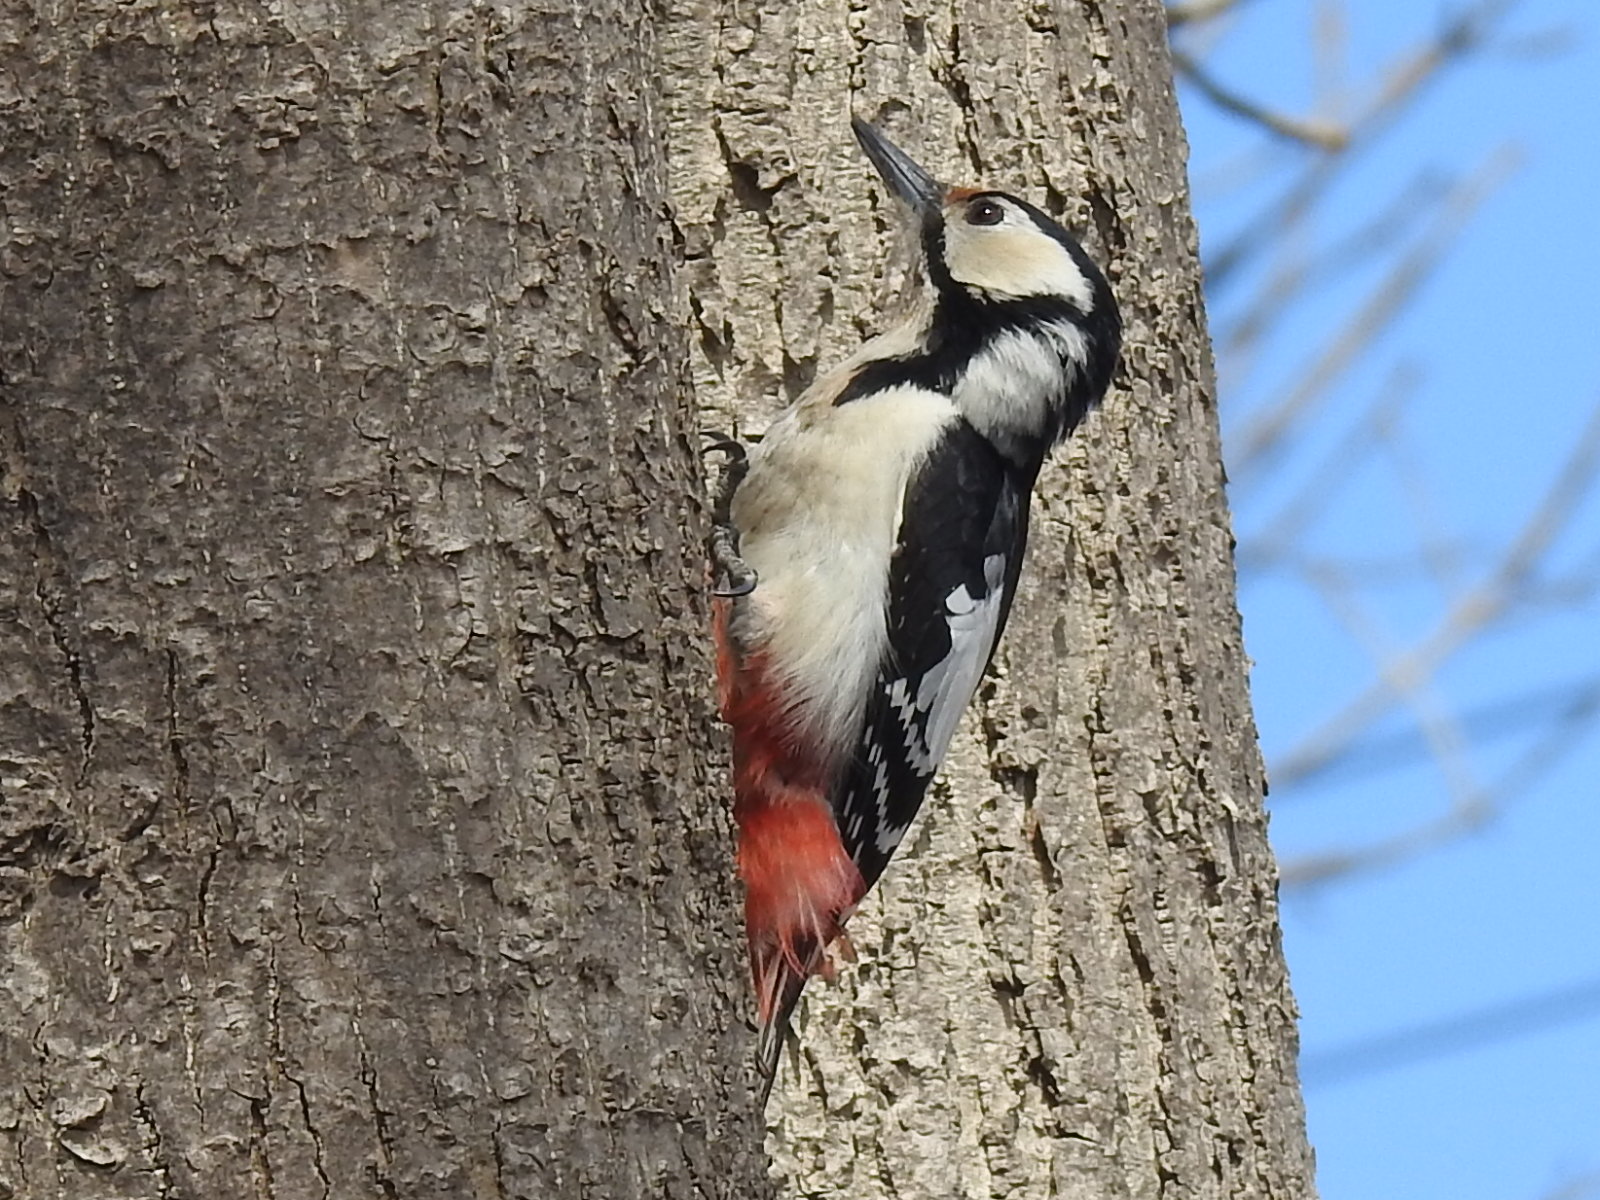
(1071, 982)
(362, 821)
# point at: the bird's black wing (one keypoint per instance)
(951, 584)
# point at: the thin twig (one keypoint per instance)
(1437, 550)
(1273, 543)
(1562, 738)
(1276, 298)
(1331, 43)
(1560, 1006)
(1441, 731)
(1564, 706)
(1579, 1187)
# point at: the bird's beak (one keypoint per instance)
(905, 178)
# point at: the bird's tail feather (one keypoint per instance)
(800, 888)
(779, 987)
(800, 883)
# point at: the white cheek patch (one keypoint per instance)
(1013, 384)
(1015, 260)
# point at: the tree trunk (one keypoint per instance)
(361, 833)
(1071, 981)
(361, 827)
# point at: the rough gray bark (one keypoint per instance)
(360, 833)
(1071, 981)
(357, 830)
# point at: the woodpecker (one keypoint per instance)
(867, 550)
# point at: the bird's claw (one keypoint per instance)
(732, 577)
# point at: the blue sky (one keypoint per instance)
(1500, 351)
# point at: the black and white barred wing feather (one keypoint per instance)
(951, 583)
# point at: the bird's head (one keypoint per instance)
(994, 245)
(1023, 331)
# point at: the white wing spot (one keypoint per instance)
(944, 692)
(917, 756)
(889, 838)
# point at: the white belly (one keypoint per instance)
(818, 518)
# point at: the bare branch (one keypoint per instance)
(1311, 133)
(1187, 12)
(1402, 88)
(1267, 433)
(1471, 612)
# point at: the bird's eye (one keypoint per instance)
(985, 212)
